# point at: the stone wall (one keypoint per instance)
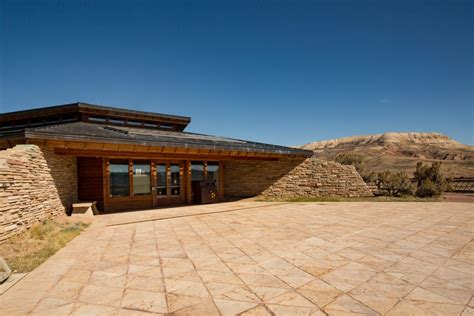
(35, 184)
(292, 178)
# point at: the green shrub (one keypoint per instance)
(428, 188)
(353, 159)
(395, 183)
(430, 180)
(371, 177)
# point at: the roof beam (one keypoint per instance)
(149, 155)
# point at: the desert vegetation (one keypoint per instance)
(28, 250)
(426, 181)
(430, 180)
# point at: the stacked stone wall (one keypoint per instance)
(35, 184)
(292, 178)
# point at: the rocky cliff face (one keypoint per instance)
(401, 151)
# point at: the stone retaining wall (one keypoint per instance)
(292, 178)
(35, 184)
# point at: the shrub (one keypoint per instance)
(430, 180)
(427, 188)
(353, 159)
(371, 177)
(395, 183)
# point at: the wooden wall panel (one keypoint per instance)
(94, 186)
(90, 180)
(129, 203)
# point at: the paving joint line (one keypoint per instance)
(228, 267)
(291, 288)
(195, 270)
(191, 215)
(368, 228)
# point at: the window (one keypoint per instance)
(97, 119)
(197, 171)
(119, 179)
(175, 179)
(161, 184)
(134, 123)
(166, 126)
(54, 120)
(141, 178)
(116, 121)
(213, 172)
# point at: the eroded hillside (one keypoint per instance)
(401, 151)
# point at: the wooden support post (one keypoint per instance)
(105, 181)
(168, 181)
(153, 183)
(182, 180)
(221, 181)
(130, 176)
(188, 182)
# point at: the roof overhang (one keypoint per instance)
(121, 150)
(86, 139)
(81, 111)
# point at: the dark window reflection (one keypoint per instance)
(161, 184)
(119, 179)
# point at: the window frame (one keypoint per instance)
(131, 193)
(180, 184)
(218, 172)
(166, 180)
(132, 165)
(109, 174)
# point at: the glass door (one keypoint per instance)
(161, 181)
(175, 180)
(168, 177)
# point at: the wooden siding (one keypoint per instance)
(90, 180)
(93, 185)
(128, 203)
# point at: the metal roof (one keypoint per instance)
(81, 131)
(87, 106)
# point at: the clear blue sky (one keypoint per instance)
(284, 72)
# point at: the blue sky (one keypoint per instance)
(284, 72)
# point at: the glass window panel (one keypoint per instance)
(119, 179)
(134, 123)
(141, 178)
(161, 180)
(175, 179)
(197, 171)
(175, 191)
(97, 119)
(116, 121)
(213, 172)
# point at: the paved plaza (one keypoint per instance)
(256, 258)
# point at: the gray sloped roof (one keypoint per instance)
(78, 106)
(80, 131)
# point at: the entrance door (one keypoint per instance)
(169, 183)
(197, 175)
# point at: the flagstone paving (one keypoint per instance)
(255, 258)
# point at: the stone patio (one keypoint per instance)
(255, 258)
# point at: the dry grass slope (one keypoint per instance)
(28, 250)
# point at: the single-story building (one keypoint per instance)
(127, 159)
